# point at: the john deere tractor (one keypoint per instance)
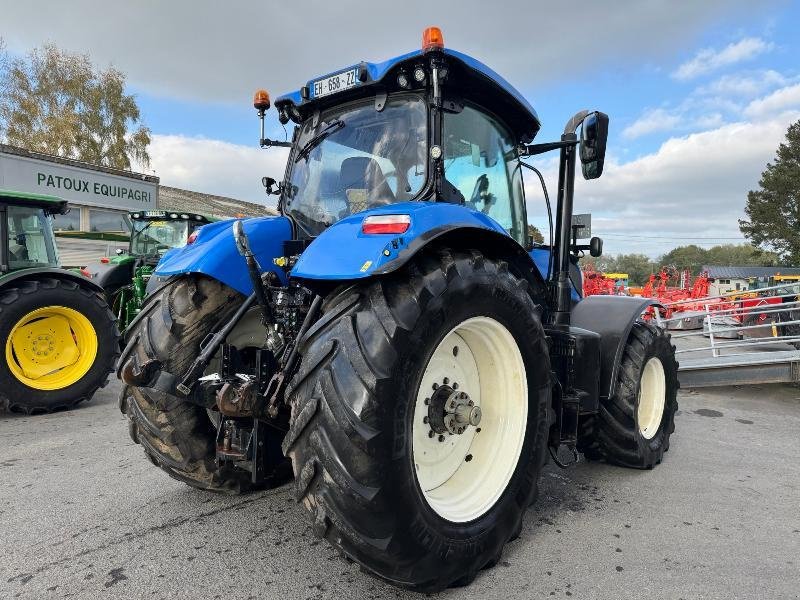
(125, 277)
(394, 333)
(59, 338)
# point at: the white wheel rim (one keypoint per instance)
(652, 393)
(463, 476)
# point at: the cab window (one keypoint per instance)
(480, 159)
(30, 238)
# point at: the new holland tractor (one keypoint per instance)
(125, 277)
(393, 332)
(60, 340)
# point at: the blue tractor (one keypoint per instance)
(393, 339)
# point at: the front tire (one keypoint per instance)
(367, 418)
(60, 342)
(634, 425)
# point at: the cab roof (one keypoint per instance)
(468, 78)
(52, 204)
(173, 215)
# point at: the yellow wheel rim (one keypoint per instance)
(51, 348)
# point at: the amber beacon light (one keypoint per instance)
(261, 100)
(432, 39)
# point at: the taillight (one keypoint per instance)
(86, 273)
(386, 224)
(192, 236)
(105, 260)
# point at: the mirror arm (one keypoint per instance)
(268, 143)
(534, 149)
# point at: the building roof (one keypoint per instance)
(76, 163)
(176, 199)
(719, 272)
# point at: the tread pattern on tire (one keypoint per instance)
(178, 436)
(612, 434)
(336, 441)
(106, 356)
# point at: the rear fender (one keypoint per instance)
(342, 252)
(55, 273)
(214, 252)
(613, 318)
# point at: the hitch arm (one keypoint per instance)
(209, 347)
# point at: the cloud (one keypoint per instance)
(744, 84)
(650, 122)
(694, 186)
(683, 118)
(220, 52)
(216, 167)
(708, 59)
(782, 99)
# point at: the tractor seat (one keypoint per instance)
(364, 184)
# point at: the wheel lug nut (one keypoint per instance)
(427, 401)
(455, 385)
(425, 420)
(435, 385)
(441, 438)
(455, 350)
(431, 434)
(445, 381)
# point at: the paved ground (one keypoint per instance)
(83, 515)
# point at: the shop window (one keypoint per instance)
(106, 220)
(68, 222)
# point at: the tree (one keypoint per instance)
(773, 211)
(637, 266)
(56, 102)
(534, 234)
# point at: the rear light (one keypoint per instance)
(192, 236)
(105, 260)
(86, 273)
(386, 224)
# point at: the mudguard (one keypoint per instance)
(613, 318)
(54, 272)
(114, 274)
(343, 252)
(214, 252)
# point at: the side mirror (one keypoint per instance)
(595, 246)
(594, 135)
(120, 251)
(268, 183)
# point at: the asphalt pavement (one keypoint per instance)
(83, 514)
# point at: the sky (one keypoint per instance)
(699, 94)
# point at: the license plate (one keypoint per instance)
(335, 83)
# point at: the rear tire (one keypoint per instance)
(634, 425)
(71, 301)
(178, 436)
(355, 440)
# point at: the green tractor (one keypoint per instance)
(59, 336)
(125, 277)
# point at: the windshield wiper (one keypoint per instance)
(315, 141)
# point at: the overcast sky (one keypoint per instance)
(699, 93)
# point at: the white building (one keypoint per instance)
(99, 197)
(731, 279)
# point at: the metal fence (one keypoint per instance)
(742, 337)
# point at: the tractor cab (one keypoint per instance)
(424, 126)
(26, 231)
(124, 277)
(154, 232)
